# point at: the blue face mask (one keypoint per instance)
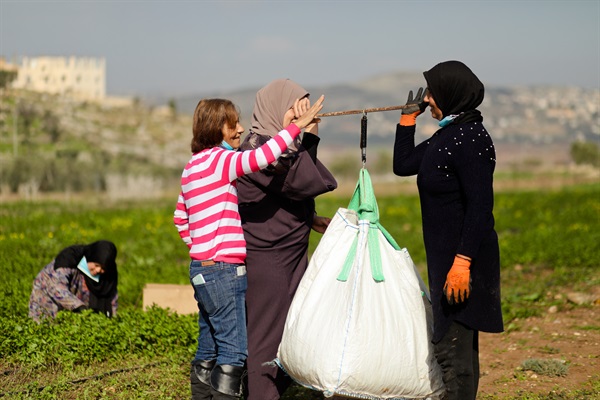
(226, 145)
(447, 120)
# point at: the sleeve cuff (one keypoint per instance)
(293, 130)
(309, 140)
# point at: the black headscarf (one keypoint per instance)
(456, 90)
(104, 253)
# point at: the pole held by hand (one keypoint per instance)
(368, 110)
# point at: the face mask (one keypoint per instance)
(226, 145)
(448, 120)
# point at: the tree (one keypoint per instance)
(51, 125)
(173, 108)
(6, 78)
(585, 153)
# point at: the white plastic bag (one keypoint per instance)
(360, 322)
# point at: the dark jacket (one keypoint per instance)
(455, 178)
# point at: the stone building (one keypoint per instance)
(80, 77)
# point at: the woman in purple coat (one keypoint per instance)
(278, 211)
(455, 169)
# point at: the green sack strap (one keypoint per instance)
(374, 253)
(363, 201)
(343, 276)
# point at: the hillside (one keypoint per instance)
(136, 149)
(532, 114)
(55, 144)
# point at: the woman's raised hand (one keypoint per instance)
(307, 117)
(300, 107)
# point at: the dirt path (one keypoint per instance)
(572, 336)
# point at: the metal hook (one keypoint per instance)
(363, 137)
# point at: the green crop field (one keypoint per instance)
(549, 240)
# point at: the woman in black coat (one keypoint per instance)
(454, 171)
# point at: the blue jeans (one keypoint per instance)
(220, 291)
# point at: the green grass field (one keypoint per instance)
(550, 240)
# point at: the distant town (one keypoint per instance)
(80, 77)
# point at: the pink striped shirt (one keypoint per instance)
(207, 215)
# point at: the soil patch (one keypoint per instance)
(571, 336)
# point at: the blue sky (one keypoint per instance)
(187, 47)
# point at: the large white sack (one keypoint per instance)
(363, 337)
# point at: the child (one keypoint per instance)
(208, 221)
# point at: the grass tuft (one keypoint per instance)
(551, 367)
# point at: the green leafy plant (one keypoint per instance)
(551, 236)
(546, 367)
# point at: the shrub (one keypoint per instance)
(586, 153)
(546, 367)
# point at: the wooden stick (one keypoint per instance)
(367, 110)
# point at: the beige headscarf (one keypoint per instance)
(272, 102)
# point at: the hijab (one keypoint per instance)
(271, 104)
(104, 253)
(456, 91)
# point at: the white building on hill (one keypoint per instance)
(80, 77)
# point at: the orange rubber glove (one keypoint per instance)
(409, 119)
(458, 281)
(414, 108)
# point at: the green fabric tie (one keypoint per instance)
(364, 203)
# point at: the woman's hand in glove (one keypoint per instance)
(458, 281)
(414, 108)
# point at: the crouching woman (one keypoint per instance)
(80, 277)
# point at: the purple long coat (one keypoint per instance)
(277, 208)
